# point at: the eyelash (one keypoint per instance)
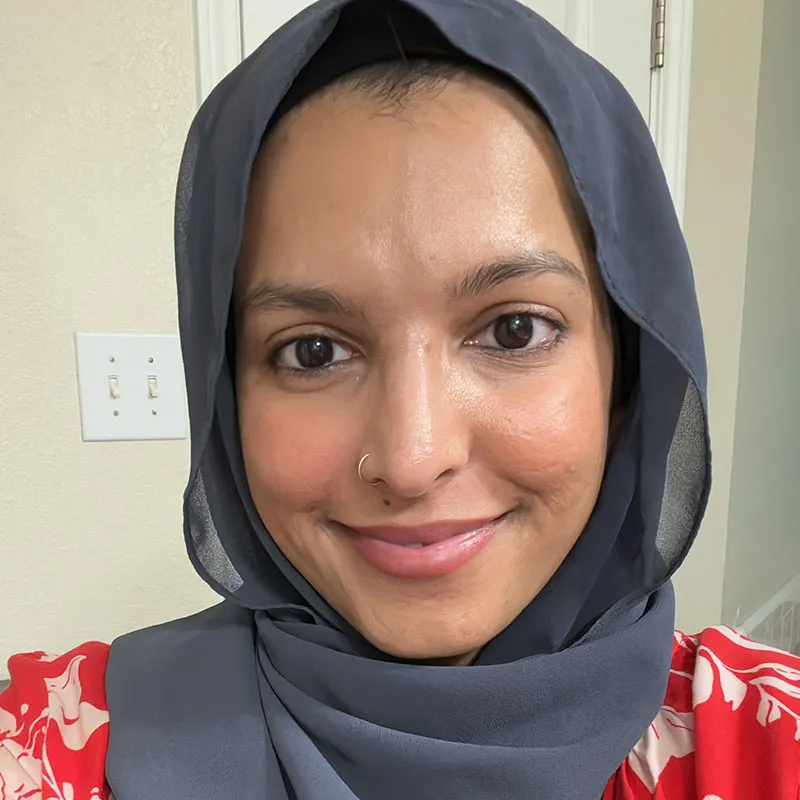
(521, 354)
(560, 327)
(313, 372)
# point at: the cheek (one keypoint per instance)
(296, 453)
(553, 435)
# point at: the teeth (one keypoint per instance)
(414, 546)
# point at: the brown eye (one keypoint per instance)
(310, 353)
(518, 332)
(514, 331)
(313, 353)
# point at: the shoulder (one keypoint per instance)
(729, 727)
(54, 725)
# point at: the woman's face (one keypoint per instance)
(417, 285)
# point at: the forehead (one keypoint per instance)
(465, 174)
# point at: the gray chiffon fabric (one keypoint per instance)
(271, 695)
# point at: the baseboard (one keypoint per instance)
(777, 622)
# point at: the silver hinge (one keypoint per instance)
(659, 32)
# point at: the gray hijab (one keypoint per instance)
(271, 695)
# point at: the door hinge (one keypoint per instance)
(659, 34)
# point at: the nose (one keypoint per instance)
(417, 434)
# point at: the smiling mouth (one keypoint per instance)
(425, 551)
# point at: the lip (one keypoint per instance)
(446, 546)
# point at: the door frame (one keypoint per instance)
(219, 48)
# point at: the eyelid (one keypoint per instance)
(496, 312)
(546, 343)
(281, 338)
(275, 349)
(287, 348)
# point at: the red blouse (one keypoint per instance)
(729, 728)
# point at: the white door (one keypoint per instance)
(618, 36)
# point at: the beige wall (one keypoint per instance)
(96, 100)
(763, 550)
(726, 55)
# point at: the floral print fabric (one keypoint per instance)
(729, 728)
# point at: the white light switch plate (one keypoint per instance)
(118, 374)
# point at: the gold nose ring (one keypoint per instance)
(361, 474)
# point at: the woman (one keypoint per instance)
(447, 393)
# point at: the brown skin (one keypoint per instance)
(389, 212)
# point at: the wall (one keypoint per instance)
(764, 518)
(726, 56)
(96, 99)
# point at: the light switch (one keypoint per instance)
(130, 387)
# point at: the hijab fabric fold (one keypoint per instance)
(272, 695)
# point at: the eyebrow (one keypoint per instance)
(265, 297)
(277, 296)
(488, 276)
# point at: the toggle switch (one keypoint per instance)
(130, 387)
